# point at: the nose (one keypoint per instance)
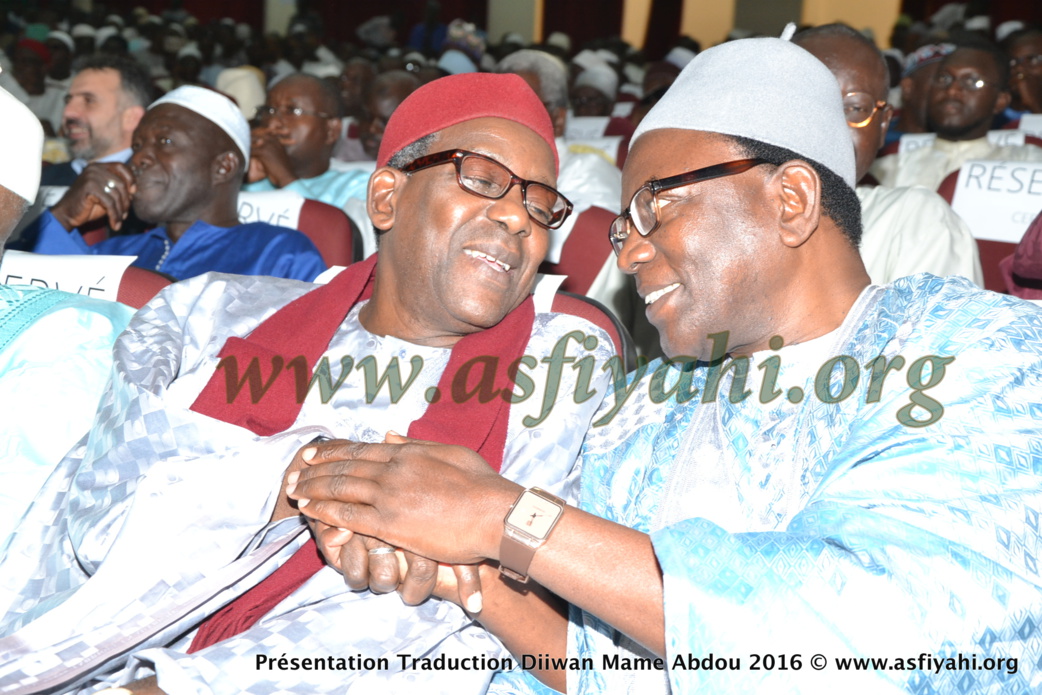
(140, 160)
(511, 212)
(636, 249)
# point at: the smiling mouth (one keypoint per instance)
(659, 294)
(491, 260)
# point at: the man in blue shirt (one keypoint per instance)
(190, 151)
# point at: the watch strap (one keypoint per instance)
(516, 548)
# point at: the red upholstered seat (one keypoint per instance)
(991, 252)
(595, 312)
(332, 232)
(585, 251)
(138, 286)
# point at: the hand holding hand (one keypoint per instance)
(441, 502)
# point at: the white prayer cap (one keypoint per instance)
(1006, 28)
(243, 31)
(190, 49)
(322, 70)
(415, 57)
(64, 38)
(103, 35)
(153, 19)
(764, 89)
(216, 108)
(81, 30)
(1003, 30)
(561, 40)
(586, 59)
(21, 140)
(981, 22)
(680, 56)
(115, 19)
(607, 56)
(456, 62)
(513, 37)
(176, 28)
(245, 85)
(633, 73)
(600, 77)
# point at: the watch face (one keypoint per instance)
(534, 515)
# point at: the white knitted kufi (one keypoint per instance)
(765, 89)
(600, 77)
(21, 140)
(214, 107)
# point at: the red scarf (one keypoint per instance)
(302, 330)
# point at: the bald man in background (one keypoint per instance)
(906, 230)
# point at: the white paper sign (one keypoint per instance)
(1031, 123)
(622, 109)
(583, 127)
(998, 200)
(280, 208)
(93, 276)
(1000, 138)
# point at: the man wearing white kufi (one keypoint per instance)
(756, 519)
(55, 348)
(190, 151)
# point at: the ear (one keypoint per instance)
(1002, 102)
(382, 200)
(332, 130)
(799, 193)
(884, 124)
(130, 118)
(907, 86)
(227, 166)
(559, 118)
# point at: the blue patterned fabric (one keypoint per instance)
(836, 529)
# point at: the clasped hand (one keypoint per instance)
(428, 502)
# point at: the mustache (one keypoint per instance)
(75, 122)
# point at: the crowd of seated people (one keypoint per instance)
(274, 456)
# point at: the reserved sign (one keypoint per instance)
(1031, 123)
(280, 208)
(93, 276)
(1000, 138)
(998, 200)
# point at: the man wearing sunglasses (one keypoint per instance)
(752, 519)
(212, 575)
(906, 230)
(968, 90)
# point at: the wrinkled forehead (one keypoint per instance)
(970, 59)
(659, 154)
(513, 145)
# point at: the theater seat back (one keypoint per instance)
(596, 313)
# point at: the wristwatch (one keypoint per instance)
(526, 527)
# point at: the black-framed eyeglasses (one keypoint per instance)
(859, 108)
(487, 178)
(970, 83)
(266, 113)
(642, 213)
